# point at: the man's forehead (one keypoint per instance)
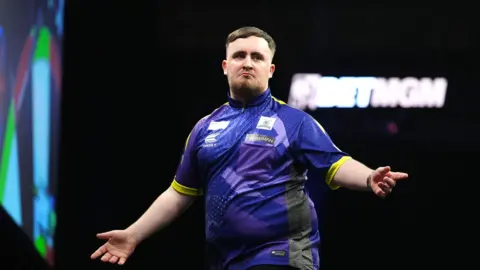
(250, 44)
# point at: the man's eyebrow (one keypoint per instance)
(236, 53)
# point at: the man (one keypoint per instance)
(249, 158)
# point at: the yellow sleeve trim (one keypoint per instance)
(186, 190)
(333, 170)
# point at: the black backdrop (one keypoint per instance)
(138, 76)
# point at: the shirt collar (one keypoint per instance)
(258, 100)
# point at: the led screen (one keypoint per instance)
(30, 89)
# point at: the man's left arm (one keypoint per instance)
(353, 174)
(316, 150)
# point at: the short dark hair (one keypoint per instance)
(248, 31)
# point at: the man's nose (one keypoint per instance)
(247, 64)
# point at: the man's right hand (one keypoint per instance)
(121, 243)
(119, 246)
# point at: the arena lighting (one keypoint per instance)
(312, 91)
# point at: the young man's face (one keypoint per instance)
(249, 64)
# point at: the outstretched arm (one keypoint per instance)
(314, 149)
(165, 209)
(355, 175)
(185, 187)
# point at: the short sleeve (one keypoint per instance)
(316, 151)
(187, 178)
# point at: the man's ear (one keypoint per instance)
(224, 67)
(272, 70)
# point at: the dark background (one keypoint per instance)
(139, 75)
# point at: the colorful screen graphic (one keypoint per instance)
(30, 87)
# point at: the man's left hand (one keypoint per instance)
(383, 180)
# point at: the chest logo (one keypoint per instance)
(211, 138)
(214, 125)
(266, 123)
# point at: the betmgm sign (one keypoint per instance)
(312, 91)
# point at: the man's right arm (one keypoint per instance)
(164, 210)
(186, 186)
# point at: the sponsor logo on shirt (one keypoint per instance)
(266, 123)
(279, 253)
(214, 125)
(210, 140)
(260, 138)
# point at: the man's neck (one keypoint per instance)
(245, 95)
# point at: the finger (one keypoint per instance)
(380, 193)
(98, 252)
(122, 261)
(114, 259)
(389, 181)
(398, 175)
(384, 187)
(105, 235)
(383, 170)
(106, 257)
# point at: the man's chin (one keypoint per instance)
(246, 90)
(244, 87)
(245, 84)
